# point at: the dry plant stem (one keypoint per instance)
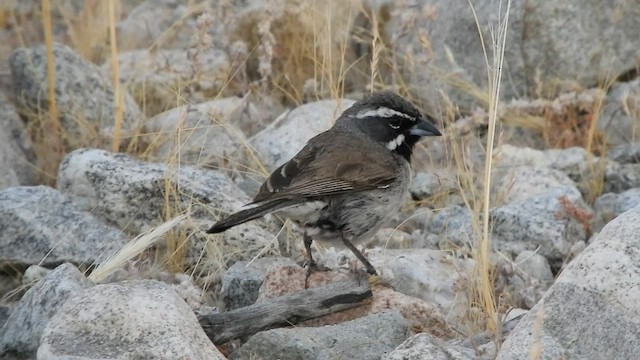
(494, 76)
(56, 129)
(119, 110)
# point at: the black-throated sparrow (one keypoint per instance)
(347, 181)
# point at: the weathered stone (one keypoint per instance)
(40, 225)
(139, 318)
(591, 311)
(23, 329)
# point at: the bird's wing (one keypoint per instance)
(320, 170)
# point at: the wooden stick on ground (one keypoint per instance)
(285, 310)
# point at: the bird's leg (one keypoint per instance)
(309, 263)
(370, 269)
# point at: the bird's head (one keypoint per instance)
(390, 120)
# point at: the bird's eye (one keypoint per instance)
(394, 124)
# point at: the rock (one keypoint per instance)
(391, 238)
(23, 329)
(5, 312)
(620, 118)
(534, 265)
(16, 152)
(171, 23)
(554, 52)
(573, 161)
(427, 347)
(453, 52)
(200, 135)
(380, 332)
(427, 184)
(621, 177)
(139, 318)
(591, 311)
(154, 77)
(610, 205)
(84, 96)
(522, 281)
(40, 225)
(421, 315)
(515, 184)
(242, 281)
(288, 134)
(625, 153)
(551, 221)
(431, 275)
(130, 194)
(34, 273)
(454, 226)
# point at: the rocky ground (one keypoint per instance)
(215, 95)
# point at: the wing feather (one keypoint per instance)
(328, 170)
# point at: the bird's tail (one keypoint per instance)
(246, 215)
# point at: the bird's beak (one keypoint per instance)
(424, 128)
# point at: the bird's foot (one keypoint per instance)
(311, 266)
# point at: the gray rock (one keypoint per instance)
(169, 22)
(16, 153)
(130, 194)
(242, 281)
(534, 265)
(427, 184)
(84, 95)
(288, 134)
(426, 347)
(454, 48)
(41, 225)
(610, 205)
(626, 153)
(591, 311)
(431, 275)
(573, 161)
(369, 337)
(23, 329)
(34, 273)
(554, 49)
(154, 77)
(5, 312)
(391, 238)
(142, 319)
(620, 118)
(551, 221)
(453, 225)
(526, 279)
(200, 134)
(515, 184)
(621, 177)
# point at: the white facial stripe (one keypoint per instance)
(384, 112)
(393, 144)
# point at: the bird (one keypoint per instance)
(346, 182)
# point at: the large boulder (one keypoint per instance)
(591, 311)
(288, 134)
(84, 95)
(141, 318)
(40, 225)
(21, 334)
(16, 152)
